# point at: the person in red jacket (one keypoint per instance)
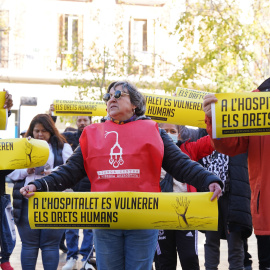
(258, 148)
(183, 241)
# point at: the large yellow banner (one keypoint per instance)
(244, 114)
(3, 112)
(23, 153)
(184, 109)
(123, 210)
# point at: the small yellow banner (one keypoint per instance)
(244, 114)
(190, 93)
(3, 112)
(123, 210)
(23, 153)
(79, 108)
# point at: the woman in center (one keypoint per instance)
(125, 153)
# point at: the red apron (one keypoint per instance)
(123, 157)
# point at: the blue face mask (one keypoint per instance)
(173, 137)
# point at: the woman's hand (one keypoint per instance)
(215, 187)
(28, 191)
(208, 99)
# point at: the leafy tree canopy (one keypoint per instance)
(225, 45)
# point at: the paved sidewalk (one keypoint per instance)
(15, 257)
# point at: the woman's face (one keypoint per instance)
(120, 109)
(40, 133)
(170, 128)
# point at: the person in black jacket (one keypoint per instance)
(125, 153)
(72, 235)
(235, 222)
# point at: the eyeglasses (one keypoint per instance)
(117, 94)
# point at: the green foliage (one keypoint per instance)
(223, 50)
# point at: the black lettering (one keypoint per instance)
(224, 105)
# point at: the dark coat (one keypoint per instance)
(174, 162)
(239, 214)
(73, 139)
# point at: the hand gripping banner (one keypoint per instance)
(23, 153)
(244, 114)
(123, 210)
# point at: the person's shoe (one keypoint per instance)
(88, 266)
(63, 247)
(69, 264)
(6, 266)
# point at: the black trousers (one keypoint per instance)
(263, 243)
(170, 242)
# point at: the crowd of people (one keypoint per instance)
(170, 158)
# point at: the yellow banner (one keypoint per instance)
(190, 93)
(244, 114)
(23, 153)
(183, 110)
(123, 210)
(175, 110)
(3, 112)
(79, 108)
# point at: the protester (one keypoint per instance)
(235, 223)
(42, 128)
(183, 241)
(72, 235)
(258, 148)
(134, 141)
(7, 244)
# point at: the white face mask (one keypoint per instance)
(173, 137)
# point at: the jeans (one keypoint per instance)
(8, 237)
(125, 249)
(34, 239)
(234, 240)
(72, 239)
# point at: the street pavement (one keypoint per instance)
(252, 247)
(15, 257)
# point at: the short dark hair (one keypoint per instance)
(136, 98)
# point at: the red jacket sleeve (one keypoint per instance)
(199, 149)
(228, 146)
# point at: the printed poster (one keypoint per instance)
(23, 153)
(123, 210)
(243, 114)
